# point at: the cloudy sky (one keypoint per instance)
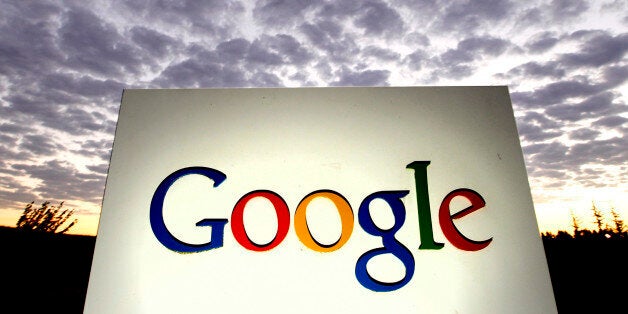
(64, 64)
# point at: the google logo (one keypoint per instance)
(390, 245)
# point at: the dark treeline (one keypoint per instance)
(588, 267)
(49, 272)
(603, 231)
(45, 272)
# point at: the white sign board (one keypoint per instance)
(318, 200)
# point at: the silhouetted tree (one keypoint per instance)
(618, 222)
(575, 223)
(604, 230)
(45, 218)
(598, 217)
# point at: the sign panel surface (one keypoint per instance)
(318, 200)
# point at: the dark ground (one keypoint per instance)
(49, 273)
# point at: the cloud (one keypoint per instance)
(533, 133)
(596, 105)
(468, 16)
(348, 77)
(567, 8)
(64, 64)
(557, 92)
(584, 134)
(381, 54)
(539, 70)
(37, 144)
(154, 43)
(542, 42)
(62, 181)
(14, 194)
(329, 37)
(281, 12)
(214, 18)
(607, 152)
(28, 41)
(236, 63)
(197, 72)
(598, 49)
(94, 148)
(610, 121)
(83, 85)
(416, 59)
(377, 18)
(459, 62)
(546, 155)
(279, 49)
(93, 45)
(551, 13)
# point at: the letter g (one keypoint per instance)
(157, 218)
